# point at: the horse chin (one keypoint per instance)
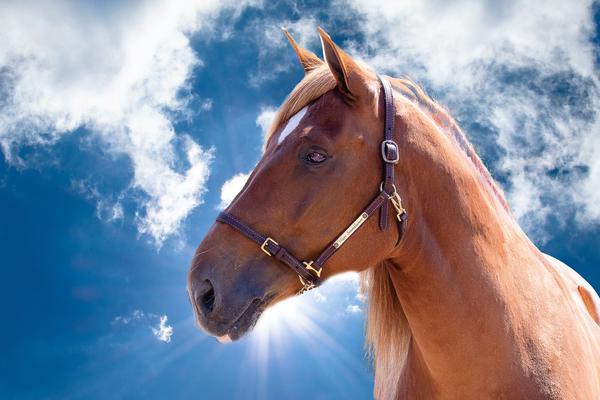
(245, 322)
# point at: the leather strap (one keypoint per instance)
(310, 272)
(374, 205)
(389, 150)
(270, 246)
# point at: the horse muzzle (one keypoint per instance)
(230, 317)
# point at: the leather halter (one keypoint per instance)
(309, 272)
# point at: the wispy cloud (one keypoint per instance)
(273, 51)
(206, 105)
(158, 324)
(136, 315)
(120, 71)
(522, 81)
(108, 209)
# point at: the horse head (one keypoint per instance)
(321, 166)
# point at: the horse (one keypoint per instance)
(461, 303)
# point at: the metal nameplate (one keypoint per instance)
(350, 230)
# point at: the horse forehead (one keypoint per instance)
(292, 124)
(326, 112)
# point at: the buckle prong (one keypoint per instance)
(309, 266)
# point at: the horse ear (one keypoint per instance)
(308, 59)
(349, 74)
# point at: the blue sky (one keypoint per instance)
(121, 123)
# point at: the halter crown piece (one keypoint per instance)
(309, 272)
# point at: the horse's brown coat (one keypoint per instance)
(490, 316)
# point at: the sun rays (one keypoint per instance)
(301, 324)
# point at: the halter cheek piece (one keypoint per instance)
(309, 272)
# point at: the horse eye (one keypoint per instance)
(316, 157)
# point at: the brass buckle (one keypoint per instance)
(264, 245)
(306, 286)
(309, 267)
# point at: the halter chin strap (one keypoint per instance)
(309, 272)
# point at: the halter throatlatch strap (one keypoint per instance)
(309, 272)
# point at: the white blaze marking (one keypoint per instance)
(291, 125)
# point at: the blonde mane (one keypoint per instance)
(388, 334)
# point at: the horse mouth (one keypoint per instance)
(246, 321)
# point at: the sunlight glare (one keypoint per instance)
(303, 320)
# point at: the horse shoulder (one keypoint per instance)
(580, 290)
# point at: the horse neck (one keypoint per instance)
(453, 269)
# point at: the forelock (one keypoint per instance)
(314, 85)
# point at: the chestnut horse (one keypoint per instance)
(461, 304)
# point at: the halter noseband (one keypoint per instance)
(309, 272)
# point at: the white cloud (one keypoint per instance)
(590, 193)
(265, 119)
(353, 309)
(340, 293)
(164, 331)
(231, 188)
(119, 71)
(447, 41)
(524, 74)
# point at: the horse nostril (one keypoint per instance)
(205, 297)
(208, 300)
